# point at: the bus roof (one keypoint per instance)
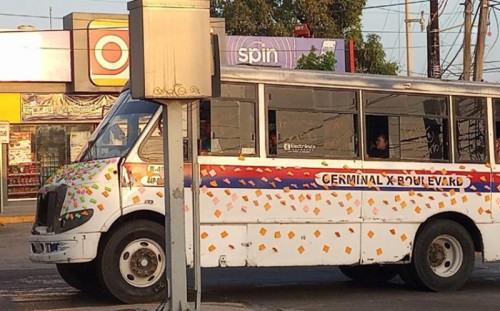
(254, 74)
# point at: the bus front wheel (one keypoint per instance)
(132, 262)
(82, 276)
(443, 257)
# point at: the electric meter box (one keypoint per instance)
(170, 49)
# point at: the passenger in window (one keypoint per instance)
(381, 149)
(273, 142)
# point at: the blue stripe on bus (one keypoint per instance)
(228, 183)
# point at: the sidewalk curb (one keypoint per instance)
(210, 306)
(16, 219)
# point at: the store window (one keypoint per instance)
(35, 152)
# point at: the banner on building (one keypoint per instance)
(39, 107)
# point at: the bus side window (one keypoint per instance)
(312, 123)
(416, 125)
(273, 135)
(470, 125)
(151, 149)
(377, 134)
(496, 109)
(205, 128)
(227, 125)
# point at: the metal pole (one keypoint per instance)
(195, 186)
(409, 62)
(467, 39)
(4, 164)
(434, 59)
(175, 235)
(50, 17)
(481, 37)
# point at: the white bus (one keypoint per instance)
(420, 207)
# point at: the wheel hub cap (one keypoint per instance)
(143, 262)
(445, 256)
(437, 255)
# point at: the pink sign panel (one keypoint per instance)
(283, 52)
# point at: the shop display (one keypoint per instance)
(20, 150)
(23, 180)
(35, 152)
(23, 172)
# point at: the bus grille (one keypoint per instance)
(48, 209)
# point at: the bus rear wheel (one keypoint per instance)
(132, 262)
(443, 257)
(370, 273)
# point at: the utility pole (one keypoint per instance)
(467, 39)
(481, 37)
(408, 21)
(433, 56)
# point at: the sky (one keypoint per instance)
(383, 17)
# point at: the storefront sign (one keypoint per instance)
(108, 52)
(37, 107)
(35, 56)
(4, 132)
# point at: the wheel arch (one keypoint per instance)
(462, 220)
(134, 216)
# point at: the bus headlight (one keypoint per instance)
(72, 220)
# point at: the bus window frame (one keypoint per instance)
(447, 115)
(253, 99)
(354, 113)
(456, 117)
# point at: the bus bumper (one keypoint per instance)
(64, 248)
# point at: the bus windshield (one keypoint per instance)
(119, 130)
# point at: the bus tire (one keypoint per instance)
(82, 276)
(409, 278)
(375, 273)
(443, 257)
(132, 262)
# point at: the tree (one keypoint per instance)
(312, 61)
(371, 58)
(248, 17)
(324, 18)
